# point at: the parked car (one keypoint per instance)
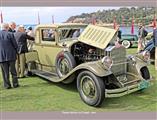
(151, 48)
(100, 67)
(128, 40)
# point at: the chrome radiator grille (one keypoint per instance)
(118, 56)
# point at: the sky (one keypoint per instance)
(29, 15)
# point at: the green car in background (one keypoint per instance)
(128, 40)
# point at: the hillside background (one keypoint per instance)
(123, 16)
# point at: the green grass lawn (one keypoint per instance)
(35, 94)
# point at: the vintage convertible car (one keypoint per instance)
(128, 40)
(91, 57)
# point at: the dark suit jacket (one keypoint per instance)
(21, 39)
(10, 30)
(8, 46)
(155, 36)
(119, 35)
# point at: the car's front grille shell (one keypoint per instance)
(118, 56)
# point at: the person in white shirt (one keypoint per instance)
(30, 43)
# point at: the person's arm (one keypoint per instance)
(29, 37)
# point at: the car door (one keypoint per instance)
(47, 48)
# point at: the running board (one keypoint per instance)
(51, 77)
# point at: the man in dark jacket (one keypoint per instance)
(8, 50)
(155, 36)
(119, 33)
(155, 42)
(141, 38)
(21, 39)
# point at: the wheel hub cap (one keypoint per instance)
(64, 67)
(88, 87)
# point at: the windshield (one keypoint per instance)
(70, 33)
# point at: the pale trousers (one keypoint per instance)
(20, 65)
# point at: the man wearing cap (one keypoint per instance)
(141, 38)
(21, 38)
(8, 51)
(119, 33)
(12, 27)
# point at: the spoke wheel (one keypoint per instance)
(65, 62)
(88, 87)
(64, 66)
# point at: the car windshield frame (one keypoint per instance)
(68, 32)
(129, 36)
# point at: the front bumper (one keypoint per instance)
(143, 84)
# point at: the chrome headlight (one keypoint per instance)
(146, 55)
(107, 61)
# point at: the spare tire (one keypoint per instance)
(126, 43)
(65, 62)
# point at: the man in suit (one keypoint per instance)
(8, 51)
(21, 39)
(155, 42)
(12, 27)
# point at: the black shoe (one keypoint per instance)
(16, 86)
(23, 76)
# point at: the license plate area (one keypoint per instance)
(143, 84)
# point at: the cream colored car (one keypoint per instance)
(90, 57)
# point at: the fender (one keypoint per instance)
(140, 64)
(95, 67)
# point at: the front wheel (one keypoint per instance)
(91, 88)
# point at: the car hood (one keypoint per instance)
(97, 36)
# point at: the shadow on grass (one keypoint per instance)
(38, 82)
(120, 103)
(71, 87)
(134, 46)
(17, 97)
